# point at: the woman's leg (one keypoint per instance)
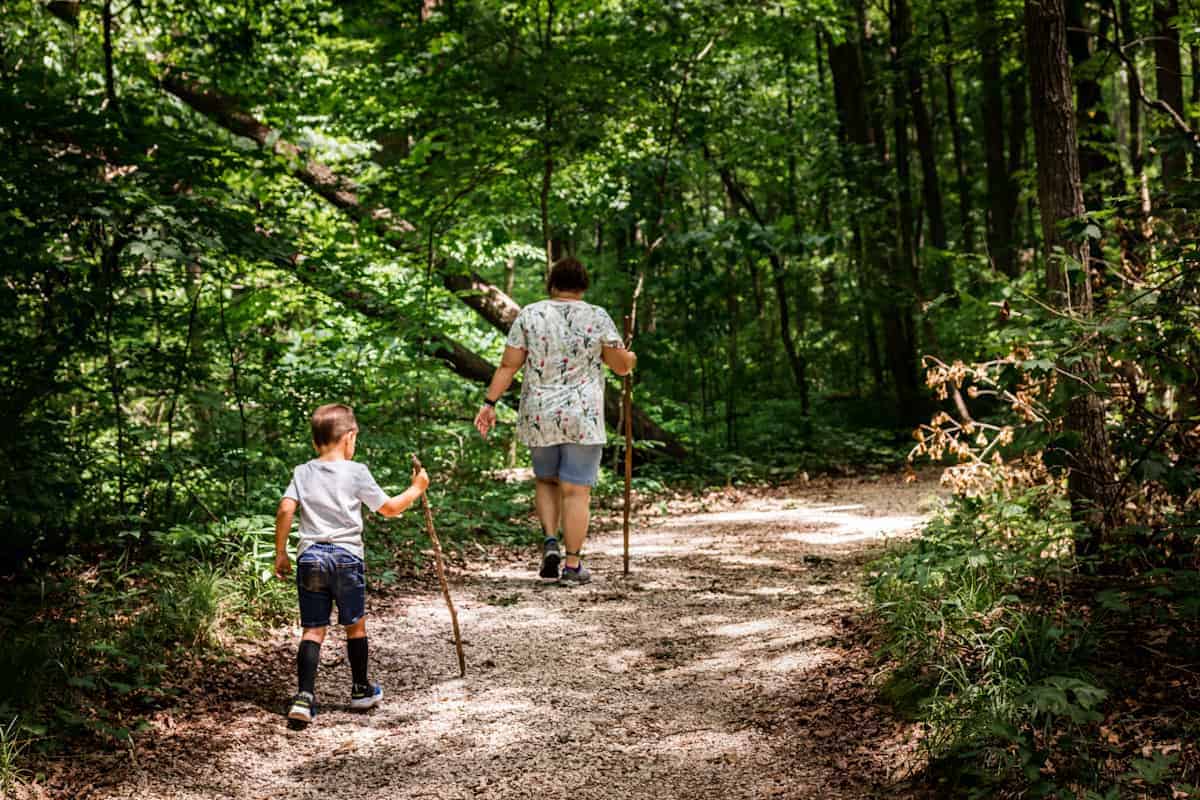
(548, 500)
(576, 501)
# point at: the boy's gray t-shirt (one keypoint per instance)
(331, 494)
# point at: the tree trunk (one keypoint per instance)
(1018, 105)
(1194, 64)
(547, 143)
(881, 284)
(1091, 120)
(1168, 78)
(1000, 210)
(1090, 114)
(907, 252)
(738, 198)
(110, 83)
(931, 190)
(1137, 230)
(1090, 480)
(1194, 59)
(965, 222)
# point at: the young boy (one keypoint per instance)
(329, 491)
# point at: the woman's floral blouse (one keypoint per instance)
(562, 399)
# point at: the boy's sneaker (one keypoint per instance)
(578, 576)
(550, 559)
(364, 697)
(304, 708)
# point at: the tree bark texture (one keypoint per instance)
(1091, 477)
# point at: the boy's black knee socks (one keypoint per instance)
(357, 650)
(307, 659)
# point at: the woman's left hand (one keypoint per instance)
(485, 420)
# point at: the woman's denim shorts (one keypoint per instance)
(326, 573)
(572, 463)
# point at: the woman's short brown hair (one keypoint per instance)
(331, 422)
(568, 274)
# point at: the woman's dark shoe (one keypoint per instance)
(550, 559)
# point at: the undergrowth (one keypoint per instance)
(1031, 681)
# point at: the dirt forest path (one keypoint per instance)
(730, 664)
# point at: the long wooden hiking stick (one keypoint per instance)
(627, 413)
(441, 573)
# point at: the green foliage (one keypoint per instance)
(12, 745)
(176, 300)
(990, 645)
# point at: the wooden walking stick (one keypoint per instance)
(627, 413)
(441, 573)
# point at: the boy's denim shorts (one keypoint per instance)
(326, 573)
(573, 463)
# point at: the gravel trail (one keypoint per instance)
(730, 664)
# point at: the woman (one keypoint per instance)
(563, 344)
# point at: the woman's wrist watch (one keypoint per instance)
(491, 403)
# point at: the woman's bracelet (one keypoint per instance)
(491, 403)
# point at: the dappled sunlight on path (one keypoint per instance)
(729, 664)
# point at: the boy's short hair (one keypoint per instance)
(331, 422)
(568, 274)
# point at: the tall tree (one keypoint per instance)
(1091, 477)
(886, 282)
(966, 224)
(1168, 80)
(1001, 203)
(931, 189)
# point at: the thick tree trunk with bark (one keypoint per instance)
(1091, 479)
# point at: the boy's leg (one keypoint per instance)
(356, 651)
(314, 576)
(309, 658)
(352, 615)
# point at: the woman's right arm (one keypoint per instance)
(510, 364)
(619, 360)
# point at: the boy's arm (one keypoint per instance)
(395, 506)
(283, 529)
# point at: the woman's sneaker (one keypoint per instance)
(550, 559)
(578, 576)
(364, 697)
(304, 708)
